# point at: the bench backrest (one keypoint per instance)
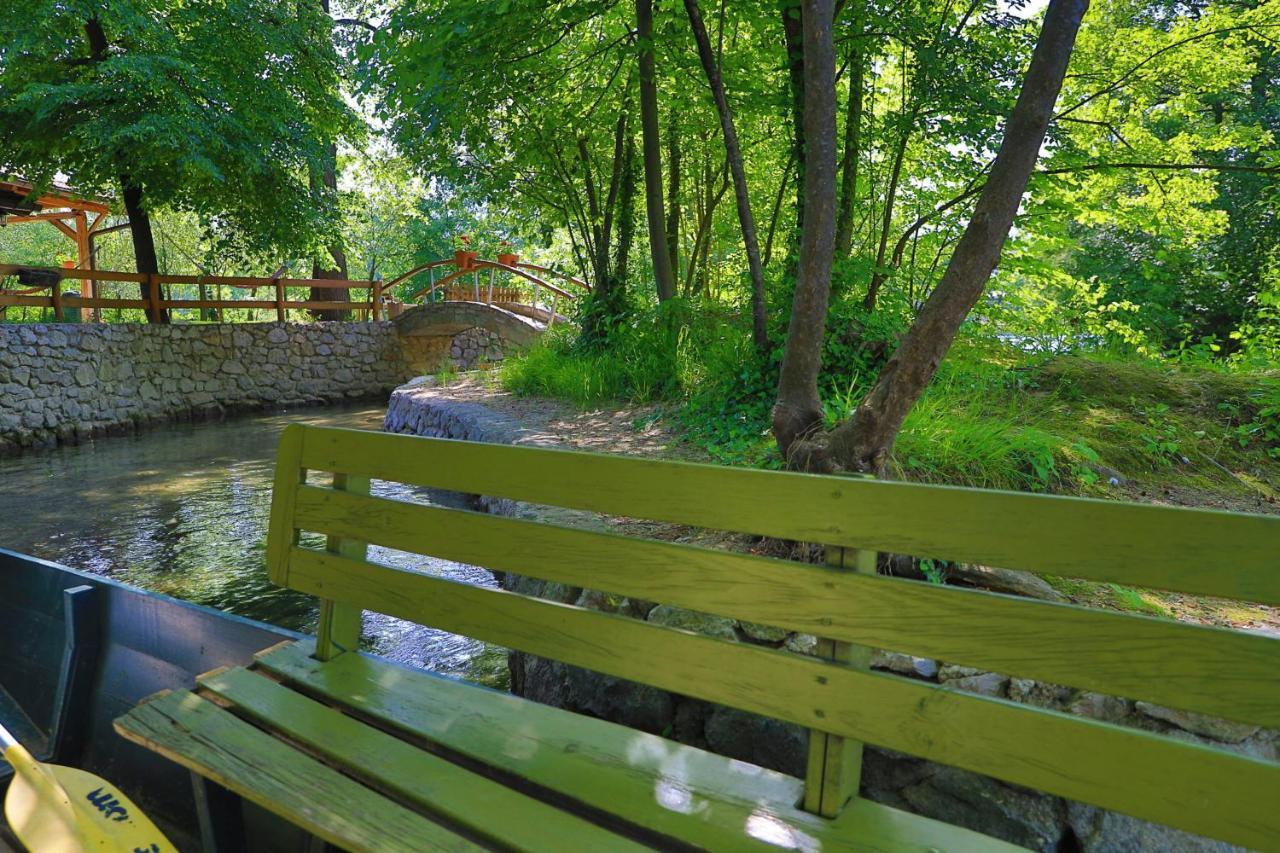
(1206, 670)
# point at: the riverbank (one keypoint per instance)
(633, 430)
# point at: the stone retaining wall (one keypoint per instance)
(66, 382)
(1029, 818)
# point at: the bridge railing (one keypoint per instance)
(492, 282)
(47, 284)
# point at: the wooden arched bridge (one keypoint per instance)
(474, 279)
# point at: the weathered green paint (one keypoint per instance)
(1206, 552)
(338, 629)
(1203, 790)
(290, 474)
(203, 737)
(390, 764)
(1210, 670)
(834, 769)
(702, 799)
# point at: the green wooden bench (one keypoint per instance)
(368, 755)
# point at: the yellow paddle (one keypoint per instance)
(54, 809)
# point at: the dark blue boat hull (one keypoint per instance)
(78, 650)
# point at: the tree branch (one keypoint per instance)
(355, 22)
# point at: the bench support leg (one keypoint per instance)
(834, 770)
(221, 818)
(340, 624)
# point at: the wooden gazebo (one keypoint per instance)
(76, 216)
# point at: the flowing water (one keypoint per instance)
(182, 510)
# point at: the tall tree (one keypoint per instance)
(651, 154)
(711, 67)
(798, 410)
(324, 186)
(864, 441)
(176, 105)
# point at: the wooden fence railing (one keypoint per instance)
(528, 289)
(277, 287)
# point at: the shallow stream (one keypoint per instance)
(182, 510)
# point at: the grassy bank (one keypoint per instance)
(994, 417)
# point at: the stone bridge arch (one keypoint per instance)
(465, 333)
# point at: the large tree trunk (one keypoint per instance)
(338, 271)
(651, 142)
(144, 244)
(759, 327)
(863, 443)
(852, 155)
(798, 410)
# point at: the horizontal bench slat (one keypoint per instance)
(202, 737)
(427, 780)
(1209, 670)
(1184, 785)
(703, 799)
(1205, 552)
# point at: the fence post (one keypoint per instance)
(475, 281)
(835, 763)
(555, 301)
(493, 273)
(279, 300)
(57, 300)
(376, 297)
(153, 293)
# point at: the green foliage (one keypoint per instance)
(1130, 599)
(217, 107)
(639, 365)
(1159, 435)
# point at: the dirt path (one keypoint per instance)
(629, 430)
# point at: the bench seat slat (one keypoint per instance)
(702, 799)
(1202, 790)
(203, 737)
(1138, 544)
(444, 788)
(1209, 670)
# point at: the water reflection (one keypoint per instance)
(182, 510)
